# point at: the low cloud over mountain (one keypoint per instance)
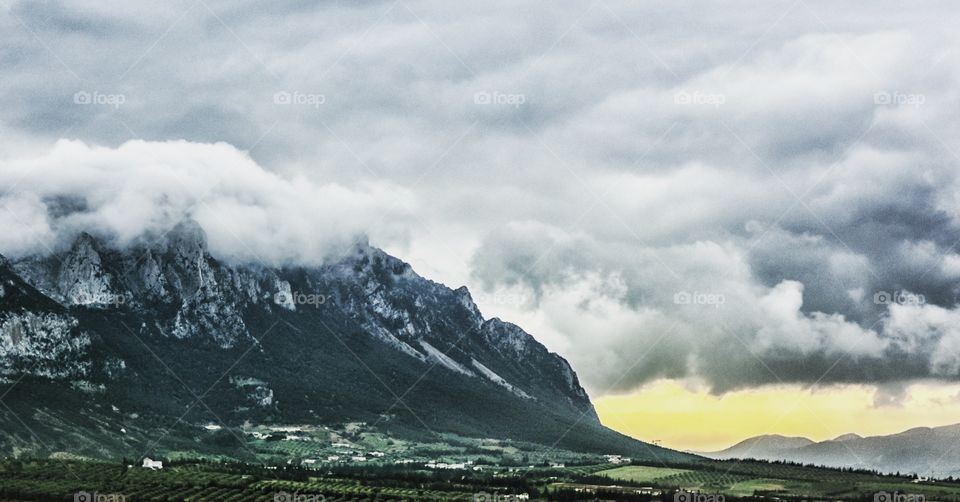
(141, 190)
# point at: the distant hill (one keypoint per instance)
(847, 437)
(761, 447)
(924, 451)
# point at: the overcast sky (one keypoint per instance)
(728, 193)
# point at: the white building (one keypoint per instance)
(152, 464)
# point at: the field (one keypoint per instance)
(642, 473)
(201, 480)
(749, 478)
(44, 480)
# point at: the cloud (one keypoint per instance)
(594, 159)
(633, 314)
(141, 190)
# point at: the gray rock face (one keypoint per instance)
(188, 294)
(81, 279)
(177, 270)
(42, 345)
(429, 321)
(37, 337)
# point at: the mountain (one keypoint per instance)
(923, 451)
(847, 437)
(761, 447)
(162, 336)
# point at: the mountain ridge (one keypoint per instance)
(374, 337)
(925, 451)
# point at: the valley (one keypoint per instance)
(589, 478)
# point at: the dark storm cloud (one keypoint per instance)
(794, 160)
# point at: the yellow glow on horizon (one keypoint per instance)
(692, 419)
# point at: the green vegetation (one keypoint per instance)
(642, 473)
(205, 480)
(777, 479)
(44, 480)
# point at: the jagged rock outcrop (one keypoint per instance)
(37, 336)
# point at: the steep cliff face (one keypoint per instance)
(360, 337)
(37, 336)
(176, 271)
(444, 327)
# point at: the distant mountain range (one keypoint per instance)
(924, 451)
(106, 352)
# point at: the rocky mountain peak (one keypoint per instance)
(466, 300)
(505, 335)
(81, 279)
(187, 243)
(84, 242)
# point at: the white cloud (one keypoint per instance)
(141, 190)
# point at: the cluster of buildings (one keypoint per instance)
(433, 464)
(617, 459)
(348, 456)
